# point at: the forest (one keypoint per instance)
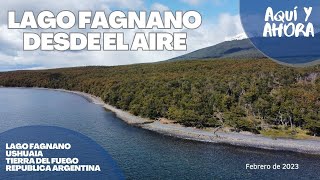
(244, 95)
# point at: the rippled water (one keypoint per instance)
(142, 154)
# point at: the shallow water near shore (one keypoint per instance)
(143, 154)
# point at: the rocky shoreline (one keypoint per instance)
(208, 135)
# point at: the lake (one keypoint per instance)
(143, 154)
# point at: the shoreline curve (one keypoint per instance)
(191, 133)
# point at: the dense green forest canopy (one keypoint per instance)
(249, 95)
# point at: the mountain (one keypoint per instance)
(239, 48)
(237, 37)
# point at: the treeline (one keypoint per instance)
(249, 95)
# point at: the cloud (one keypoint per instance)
(10, 41)
(125, 4)
(213, 33)
(159, 7)
(13, 57)
(210, 2)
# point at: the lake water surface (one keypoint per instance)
(142, 154)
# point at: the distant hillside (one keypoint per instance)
(240, 49)
(237, 48)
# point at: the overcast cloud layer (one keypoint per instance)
(12, 56)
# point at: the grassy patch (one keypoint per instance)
(295, 133)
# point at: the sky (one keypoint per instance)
(220, 22)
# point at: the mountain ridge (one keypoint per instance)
(234, 49)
